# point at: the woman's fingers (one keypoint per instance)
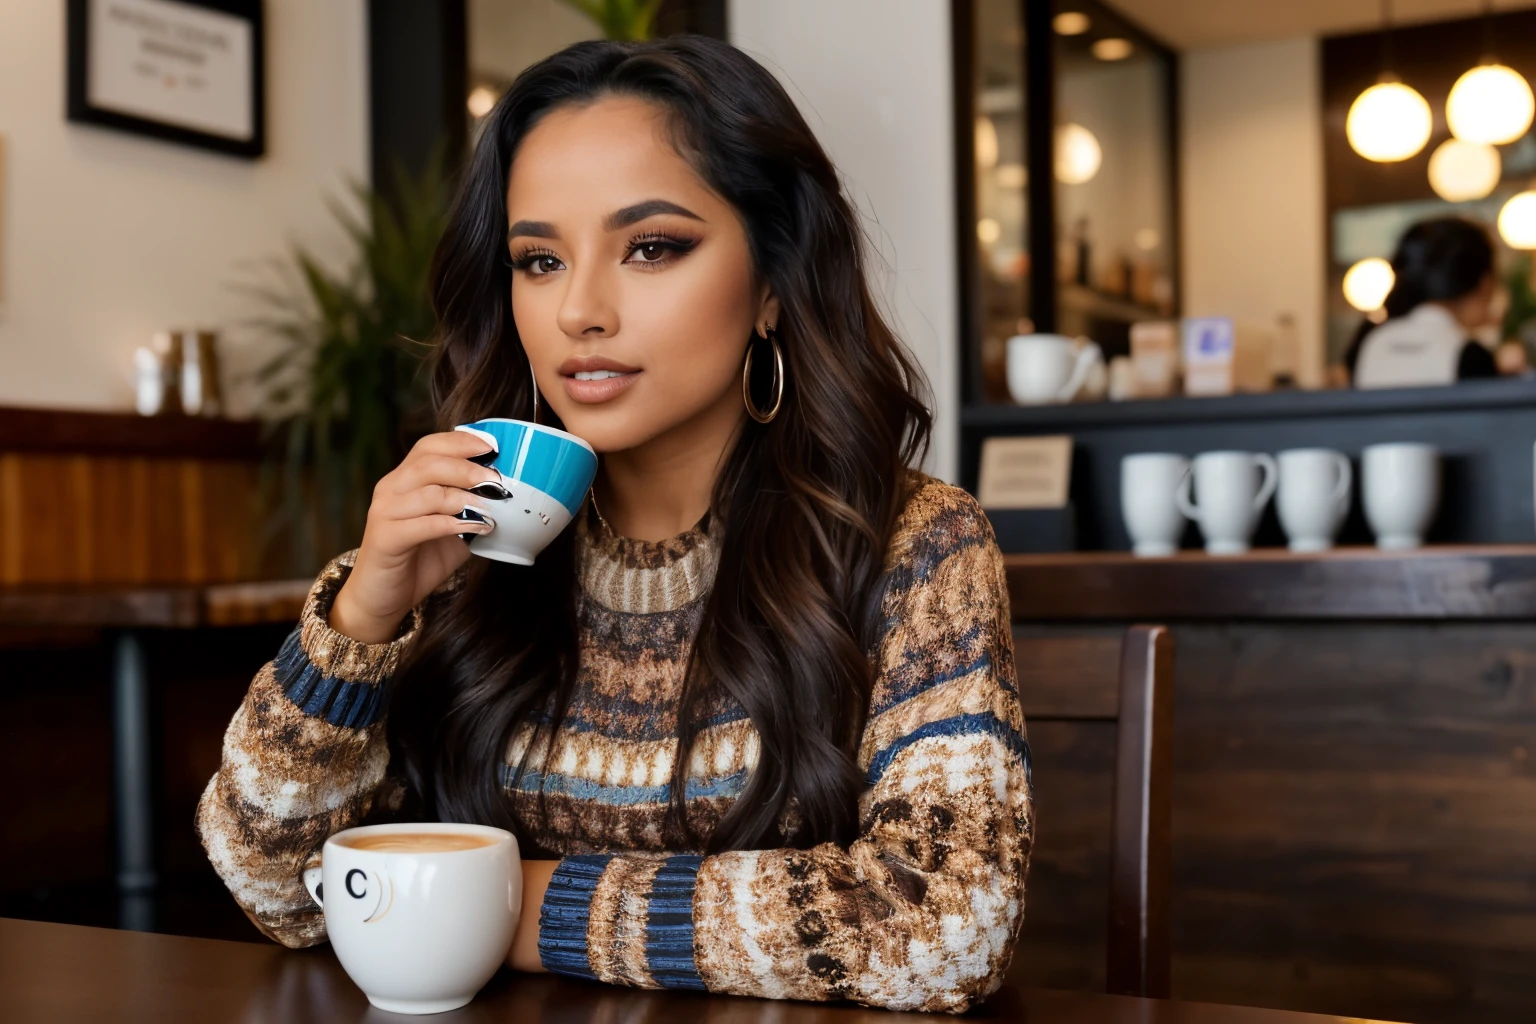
(458, 443)
(443, 470)
(411, 533)
(432, 499)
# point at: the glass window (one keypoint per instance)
(1113, 169)
(1002, 225)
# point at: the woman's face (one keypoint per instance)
(628, 268)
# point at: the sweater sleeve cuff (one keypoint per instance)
(329, 675)
(622, 920)
(340, 657)
(564, 914)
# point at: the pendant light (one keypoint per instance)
(1491, 103)
(1078, 155)
(1517, 221)
(1367, 283)
(1390, 121)
(1462, 171)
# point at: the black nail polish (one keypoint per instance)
(484, 458)
(469, 515)
(491, 491)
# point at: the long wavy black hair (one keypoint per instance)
(806, 504)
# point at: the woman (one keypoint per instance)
(1442, 291)
(753, 715)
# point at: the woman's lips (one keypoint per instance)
(591, 392)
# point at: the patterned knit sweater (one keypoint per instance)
(921, 911)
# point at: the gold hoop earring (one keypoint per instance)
(778, 379)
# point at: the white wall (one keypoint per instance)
(1251, 165)
(109, 237)
(872, 77)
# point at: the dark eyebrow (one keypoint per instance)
(639, 211)
(613, 222)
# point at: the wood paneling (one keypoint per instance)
(101, 499)
(1354, 820)
(111, 519)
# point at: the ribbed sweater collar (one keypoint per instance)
(643, 577)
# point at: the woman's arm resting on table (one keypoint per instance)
(525, 944)
(304, 758)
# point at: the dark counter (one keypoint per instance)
(1484, 429)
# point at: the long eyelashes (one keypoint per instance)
(526, 259)
(679, 247)
(529, 258)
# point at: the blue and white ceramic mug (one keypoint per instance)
(545, 474)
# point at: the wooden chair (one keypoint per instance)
(1127, 680)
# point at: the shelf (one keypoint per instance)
(1482, 582)
(1480, 395)
(1083, 299)
(90, 432)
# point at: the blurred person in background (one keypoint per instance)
(1443, 292)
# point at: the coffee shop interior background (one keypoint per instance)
(1165, 187)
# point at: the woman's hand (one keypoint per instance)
(525, 943)
(410, 543)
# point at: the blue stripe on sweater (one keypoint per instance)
(351, 705)
(959, 725)
(564, 912)
(669, 924)
(577, 788)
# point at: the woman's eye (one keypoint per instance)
(658, 252)
(538, 265)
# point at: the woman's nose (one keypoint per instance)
(586, 309)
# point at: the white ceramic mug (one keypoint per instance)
(1401, 492)
(1313, 497)
(1048, 368)
(420, 931)
(1149, 501)
(1232, 488)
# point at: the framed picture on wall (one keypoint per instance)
(187, 71)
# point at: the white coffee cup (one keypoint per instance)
(1048, 368)
(1149, 501)
(1313, 497)
(419, 931)
(1401, 491)
(1232, 488)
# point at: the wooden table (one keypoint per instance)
(126, 613)
(61, 973)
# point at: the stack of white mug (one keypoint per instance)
(1225, 492)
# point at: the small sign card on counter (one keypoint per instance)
(1025, 472)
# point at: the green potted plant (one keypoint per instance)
(624, 20)
(345, 396)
